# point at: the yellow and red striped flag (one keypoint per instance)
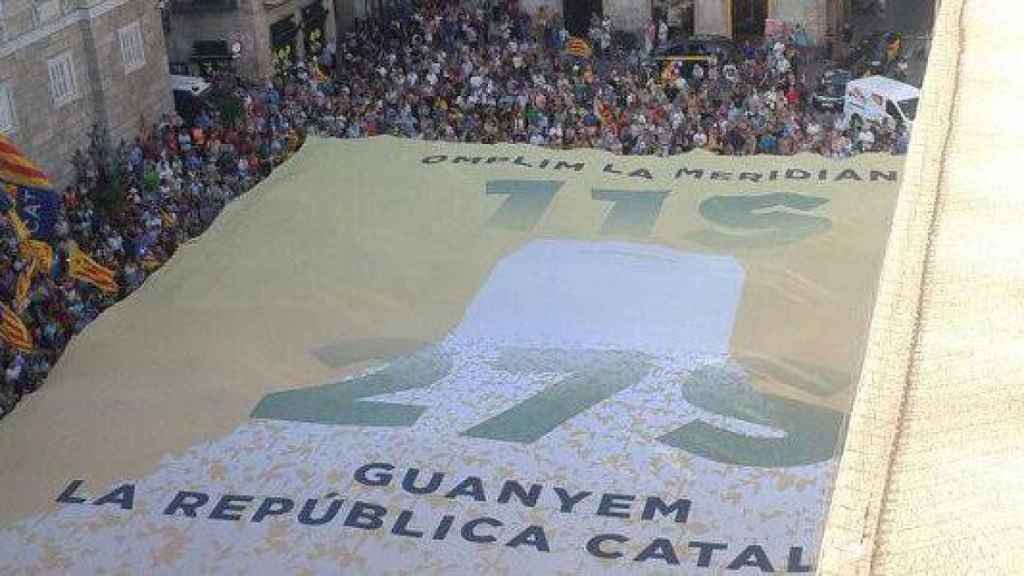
(23, 285)
(13, 330)
(578, 47)
(38, 251)
(39, 257)
(168, 219)
(605, 113)
(150, 262)
(82, 267)
(318, 73)
(20, 230)
(16, 169)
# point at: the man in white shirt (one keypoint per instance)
(866, 140)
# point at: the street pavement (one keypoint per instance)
(914, 19)
(911, 16)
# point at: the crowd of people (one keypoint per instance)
(457, 74)
(438, 70)
(130, 207)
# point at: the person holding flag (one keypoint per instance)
(23, 285)
(29, 192)
(607, 116)
(82, 267)
(33, 208)
(13, 331)
(579, 48)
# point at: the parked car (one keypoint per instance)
(875, 54)
(692, 50)
(701, 44)
(830, 92)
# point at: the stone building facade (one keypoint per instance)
(628, 15)
(746, 18)
(67, 65)
(724, 17)
(247, 35)
(818, 17)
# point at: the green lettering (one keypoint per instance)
(762, 221)
(592, 377)
(811, 432)
(342, 403)
(633, 212)
(526, 203)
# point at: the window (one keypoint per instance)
(909, 108)
(46, 10)
(132, 53)
(63, 88)
(7, 122)
(891, 110)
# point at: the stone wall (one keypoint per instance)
(231, 26)
(533, 6)
(813, 14)
(632, 15)
(48, 133)
(17, 19)
(249, 25)
(715, 17)
(629, 15)
(712, 17)
(130, 100)
(106, 95)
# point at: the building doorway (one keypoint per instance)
(284, 49)
(678, 14)
(314, 25)
(577, 14)
(748, 18)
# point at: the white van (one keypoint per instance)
(880, 100)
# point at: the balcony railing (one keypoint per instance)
(203, 6)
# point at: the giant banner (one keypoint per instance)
(400, 357)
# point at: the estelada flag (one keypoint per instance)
(318, 73)
(606, 114)
(24, 284)
(39, 257)
(82, 267)
(669, 72)
(167, 218)
(13, 330)
(38, 251)
(37, 207)
(20, 230)
(16, 169)
(150, 262)
(578, 47)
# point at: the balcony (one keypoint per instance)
(203, 6)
